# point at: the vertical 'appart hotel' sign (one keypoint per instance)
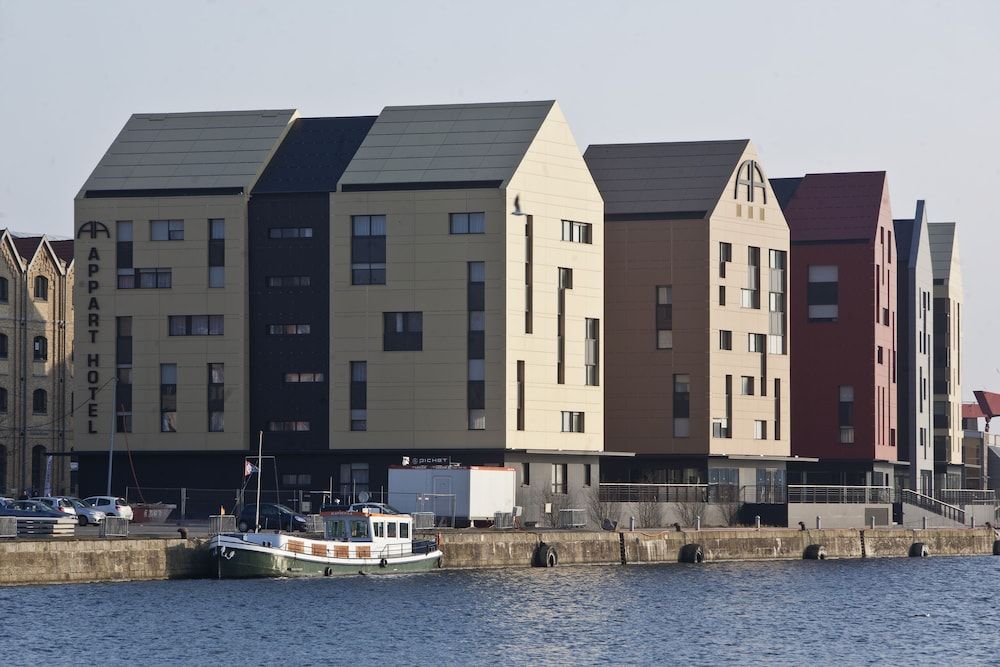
(92, 230)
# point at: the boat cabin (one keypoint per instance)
(384, 532)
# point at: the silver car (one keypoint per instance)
(87, 514)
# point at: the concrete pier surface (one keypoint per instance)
(150, 556)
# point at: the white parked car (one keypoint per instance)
(111, 506)
(88, 515)
(57, 503)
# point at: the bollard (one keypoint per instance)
(925, 523)
(756, 522)
(697, 523)
(819, 523)
(972, 522)
(631, 523)
(872, 523)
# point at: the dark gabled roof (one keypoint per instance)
(835, 207)
(784, 189)
(663, 180)
(63, 249)
(904, 239)
(314, 154)
(26, 245)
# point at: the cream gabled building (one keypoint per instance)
(697, 333)
(36, 364)
(948, 299)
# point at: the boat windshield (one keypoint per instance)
(359, 528)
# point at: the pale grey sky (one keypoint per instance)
(909, 87)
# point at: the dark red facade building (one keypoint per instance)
(842, 327)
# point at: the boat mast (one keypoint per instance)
(260, 452)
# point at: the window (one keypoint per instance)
(216, 398)
(368, 250)
(296, 479)
(289, 281)
(216, 253)
(577, 232)
(476, 348)
(42, 288)
(592, 351)
(287, 426)
(168, 398)
(572, 422)
(682, 405)
(123, 252)
(166, 230)
(725, 256)
(3, 400)
(528, 274)
(468, 223)
(288, 329)
(777, 409)
(720, 427)
(722, 295)
(664, 317)
(3, 291)
(725, 340)
(290, 233)
(587, 479)
(403, 332)
(565, 283)
(821, 294)
(354, 480)
(123, 369)
(878, 354)
(520, 395)
(759, 429)
(776, 301)
(559, 485)
(144, 278)
(304, 377)
(526, 474)
(359, 395)
(845, 414)
(3, 346)
(746, 385)
(196, 325)
(750, 295)
(41, 348)
(39, 402)
(756, 342)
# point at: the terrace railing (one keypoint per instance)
(967, 496)
(932, 505)
(818, 493)
(653, 493)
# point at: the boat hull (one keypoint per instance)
(236, 560)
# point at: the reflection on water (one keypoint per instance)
(937, 610)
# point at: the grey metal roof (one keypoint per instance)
(678, 178)
(942, 241)
(448, 143)
(189, 151)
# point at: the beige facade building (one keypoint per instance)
(36, 364)
(696, 298)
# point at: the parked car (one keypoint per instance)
(88, 514)
(111, 506)
(31, 509)
(272, 516)
(57, 504)
(4, 502)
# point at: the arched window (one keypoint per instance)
(3, 346)
(750, 176)
(39, 402)
(3, 399)
(41, 348)
(3, 470)
(3, 290)
(42, 288)
(37, 470)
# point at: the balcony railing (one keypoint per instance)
(692, 493)
(861, 495)
(967, 496)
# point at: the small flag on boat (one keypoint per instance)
(249, 469)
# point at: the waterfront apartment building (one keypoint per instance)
(697, 339)
(948, 298)
(915, 348)
(36, 364)
(843, 269)
(426, 283)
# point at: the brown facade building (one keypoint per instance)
(697, 378)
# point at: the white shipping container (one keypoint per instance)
(473, 493)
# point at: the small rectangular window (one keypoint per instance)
(403, 332)
(572, 422)
(288, 329)
(368, 242)
(467, 223)
(746, 385)
(290, 233)
(166, 230)
(577, 232)
(725, 340)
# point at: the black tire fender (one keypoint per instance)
(814, 552)
(919, 550)
(383, 563)
(546, 555)
(692, 553)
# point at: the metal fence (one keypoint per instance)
(114, 526)
(692, 493)
(8, 526)
(221, 524)
(572, 518)
(817, 493)
(967, 496)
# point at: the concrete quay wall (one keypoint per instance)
(78, 560)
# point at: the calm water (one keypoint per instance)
(893, 611)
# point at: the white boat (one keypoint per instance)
(353, 543)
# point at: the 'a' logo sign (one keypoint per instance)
(93, 227)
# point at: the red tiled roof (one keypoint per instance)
(971, 411)
(26, 245)
(836, 207)
(989, 403)
(63, 249)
